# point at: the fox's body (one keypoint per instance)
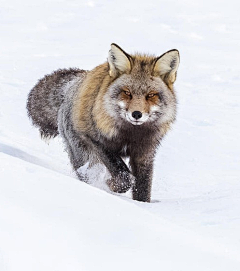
(122, 108)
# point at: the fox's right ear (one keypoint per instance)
(119, 61)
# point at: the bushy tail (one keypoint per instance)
(46, 97)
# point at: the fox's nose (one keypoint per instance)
(136, 115)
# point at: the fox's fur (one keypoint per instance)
(122, 108)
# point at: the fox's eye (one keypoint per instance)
(150, 95)
(127, 92)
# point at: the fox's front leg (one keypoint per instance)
(142, 169)
(122, 180)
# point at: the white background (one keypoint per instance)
(51, 221)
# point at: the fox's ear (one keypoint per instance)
(119, 61)
(166, 67)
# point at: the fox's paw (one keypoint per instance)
(122, 183)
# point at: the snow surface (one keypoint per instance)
(51, 221)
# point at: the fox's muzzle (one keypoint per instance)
(136, 115)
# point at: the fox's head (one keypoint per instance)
(142, 88)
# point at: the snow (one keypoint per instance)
(51, 221)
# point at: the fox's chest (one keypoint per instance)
(129, 142)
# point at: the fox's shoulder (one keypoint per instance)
(88, 103)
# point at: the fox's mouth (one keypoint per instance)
(137, 122)
(134, 122)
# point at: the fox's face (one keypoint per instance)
(143, 89)
(138, 108)
(141, 101)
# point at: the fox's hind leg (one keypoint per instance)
(77, 151)
(79, 158)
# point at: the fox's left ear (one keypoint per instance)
(119, 61)
(166, 67)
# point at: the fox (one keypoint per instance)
(121, 109)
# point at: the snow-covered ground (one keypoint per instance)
(51, 221)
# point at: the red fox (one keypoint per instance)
(122, 108)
